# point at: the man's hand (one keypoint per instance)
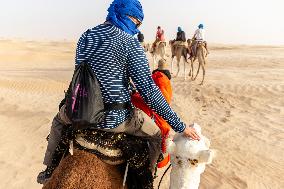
(190, 132)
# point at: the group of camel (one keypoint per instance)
(180, 52)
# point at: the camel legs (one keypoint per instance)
(201, 63)
(184, 68)
(203, 68)
(178, 61)
(172, 66)
(190, 74)
(197, 71)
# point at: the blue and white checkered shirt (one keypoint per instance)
(116, 57)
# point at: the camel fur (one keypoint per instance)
(84, 170)
(179, 51)
(200, 55)
(188, 159)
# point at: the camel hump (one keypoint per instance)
(84, 170)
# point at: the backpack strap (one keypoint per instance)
(117, 106)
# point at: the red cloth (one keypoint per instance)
(164, 85)
(160, 35)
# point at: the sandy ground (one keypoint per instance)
(240, 109)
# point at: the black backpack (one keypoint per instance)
(84, 103)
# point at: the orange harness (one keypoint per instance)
(164, 85)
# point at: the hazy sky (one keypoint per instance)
(226, 21)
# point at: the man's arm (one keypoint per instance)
(183, 37)
(141, 76)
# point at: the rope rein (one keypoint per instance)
(164, 175)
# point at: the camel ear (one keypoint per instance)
(206, 156)
(170, 146)
(207, 142)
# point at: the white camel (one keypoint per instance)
(188, 159)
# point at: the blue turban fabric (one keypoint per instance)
(119, 11)
(179, 29)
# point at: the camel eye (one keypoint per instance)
(195, 161)
(177, 157)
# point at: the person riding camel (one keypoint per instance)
(160, 37)
(180, 39)
(115, 66)
(161, 77)
(199, 37)
(180, 35)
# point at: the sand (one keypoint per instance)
(240, 108)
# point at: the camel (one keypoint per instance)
(84, 170)
(188, 159)
(146, 46)
(200, 56)
(159, 51)
(179, 51)
(101, 160)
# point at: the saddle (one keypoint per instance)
(180, 44)
(161, 42)
(114, 149)
(194, 47)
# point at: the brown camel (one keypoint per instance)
(159, 51)
(200, 55)
(179, 51)
(84, 170)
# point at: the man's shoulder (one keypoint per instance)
(101, 28)
(109, 30)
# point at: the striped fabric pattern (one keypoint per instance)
(116, 57)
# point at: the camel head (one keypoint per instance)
(188, 159)
(171, 42)
(189, 42)
(188, 153)
(146, 47)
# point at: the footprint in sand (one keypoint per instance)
(231, 106)
(222, 99)
(197, 99)
(224, 120)
(218, 90)
(204, 108)
(228, 113)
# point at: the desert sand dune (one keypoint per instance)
(240, 108)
